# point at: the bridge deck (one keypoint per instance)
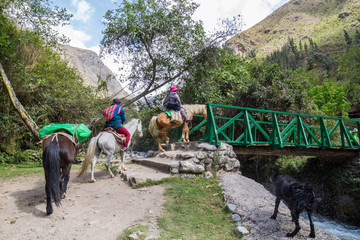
(265, 149)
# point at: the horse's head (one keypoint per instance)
(139, 128)
(197, 109)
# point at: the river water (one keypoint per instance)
(338, 229)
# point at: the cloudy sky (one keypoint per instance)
(86, 25)
(85, 29)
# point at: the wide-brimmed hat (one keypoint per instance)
(173, 89)
(116, 100)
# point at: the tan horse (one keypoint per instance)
(164, 123)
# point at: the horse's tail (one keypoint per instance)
(89, 155)
(154, 131)
(52, 171)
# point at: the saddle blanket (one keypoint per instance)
(120, 138)
(176, 115)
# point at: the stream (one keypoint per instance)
(335, 228)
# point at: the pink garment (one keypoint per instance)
(124, 131)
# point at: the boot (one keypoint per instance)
(183, 114)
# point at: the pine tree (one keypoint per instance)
(348, 40)
(357, 38)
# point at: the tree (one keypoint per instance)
(38, 16)
(357, 38)
(30, 14)
(347, 37)
(161, 41)
(331, 99)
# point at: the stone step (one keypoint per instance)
(136, 173)
(164, 165)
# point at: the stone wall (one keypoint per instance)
(198, 157)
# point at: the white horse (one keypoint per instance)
(106, 143)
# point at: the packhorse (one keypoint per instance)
(164, 123)
(59, 152)
(106, 143)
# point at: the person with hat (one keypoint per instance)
(117, 120)
(172, 102)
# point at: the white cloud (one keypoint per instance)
(83, 10)
(77, 38)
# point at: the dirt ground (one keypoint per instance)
(101, 210)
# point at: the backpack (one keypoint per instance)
(165, 101)
(109, 112)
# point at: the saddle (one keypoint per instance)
(175, 116)
(120, 138)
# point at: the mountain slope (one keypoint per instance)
(91, 68)
(324, 21)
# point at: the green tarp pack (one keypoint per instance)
(82, 132)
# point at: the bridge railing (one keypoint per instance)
(248, 126)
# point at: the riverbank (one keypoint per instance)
(255, 205)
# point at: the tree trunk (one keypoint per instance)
(18, 106)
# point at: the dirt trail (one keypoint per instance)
(103, 210)
(100, 210)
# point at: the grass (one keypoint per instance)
(194, 209)
(24, 169)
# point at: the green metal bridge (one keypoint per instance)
(263, 132)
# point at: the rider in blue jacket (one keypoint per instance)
(117, 122)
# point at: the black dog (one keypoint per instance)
(297, 197)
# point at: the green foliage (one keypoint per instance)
(160, 36)
(348, 39)
(50, 91)
(216, 78)
(349, 74)
(274, 88)
(292, 165)
(331, 99)
(37, 15)
(20, 157)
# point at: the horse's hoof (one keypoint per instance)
(92, 180)
(63, 196)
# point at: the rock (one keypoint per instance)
(152, 153)
(201, 155)
(232, 154)
(208, 174)
(241, 231)
(191, 167)
(222, 147)
(236, 217)
(231, 207)
(207, 147)
(185, 155)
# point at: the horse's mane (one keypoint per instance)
(196, 108)
(131, 122)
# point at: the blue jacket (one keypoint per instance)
(118, 120)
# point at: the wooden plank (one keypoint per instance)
(291, 150)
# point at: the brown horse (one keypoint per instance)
(59, 152)
(164, 123)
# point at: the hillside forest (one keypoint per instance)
(301, 76)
